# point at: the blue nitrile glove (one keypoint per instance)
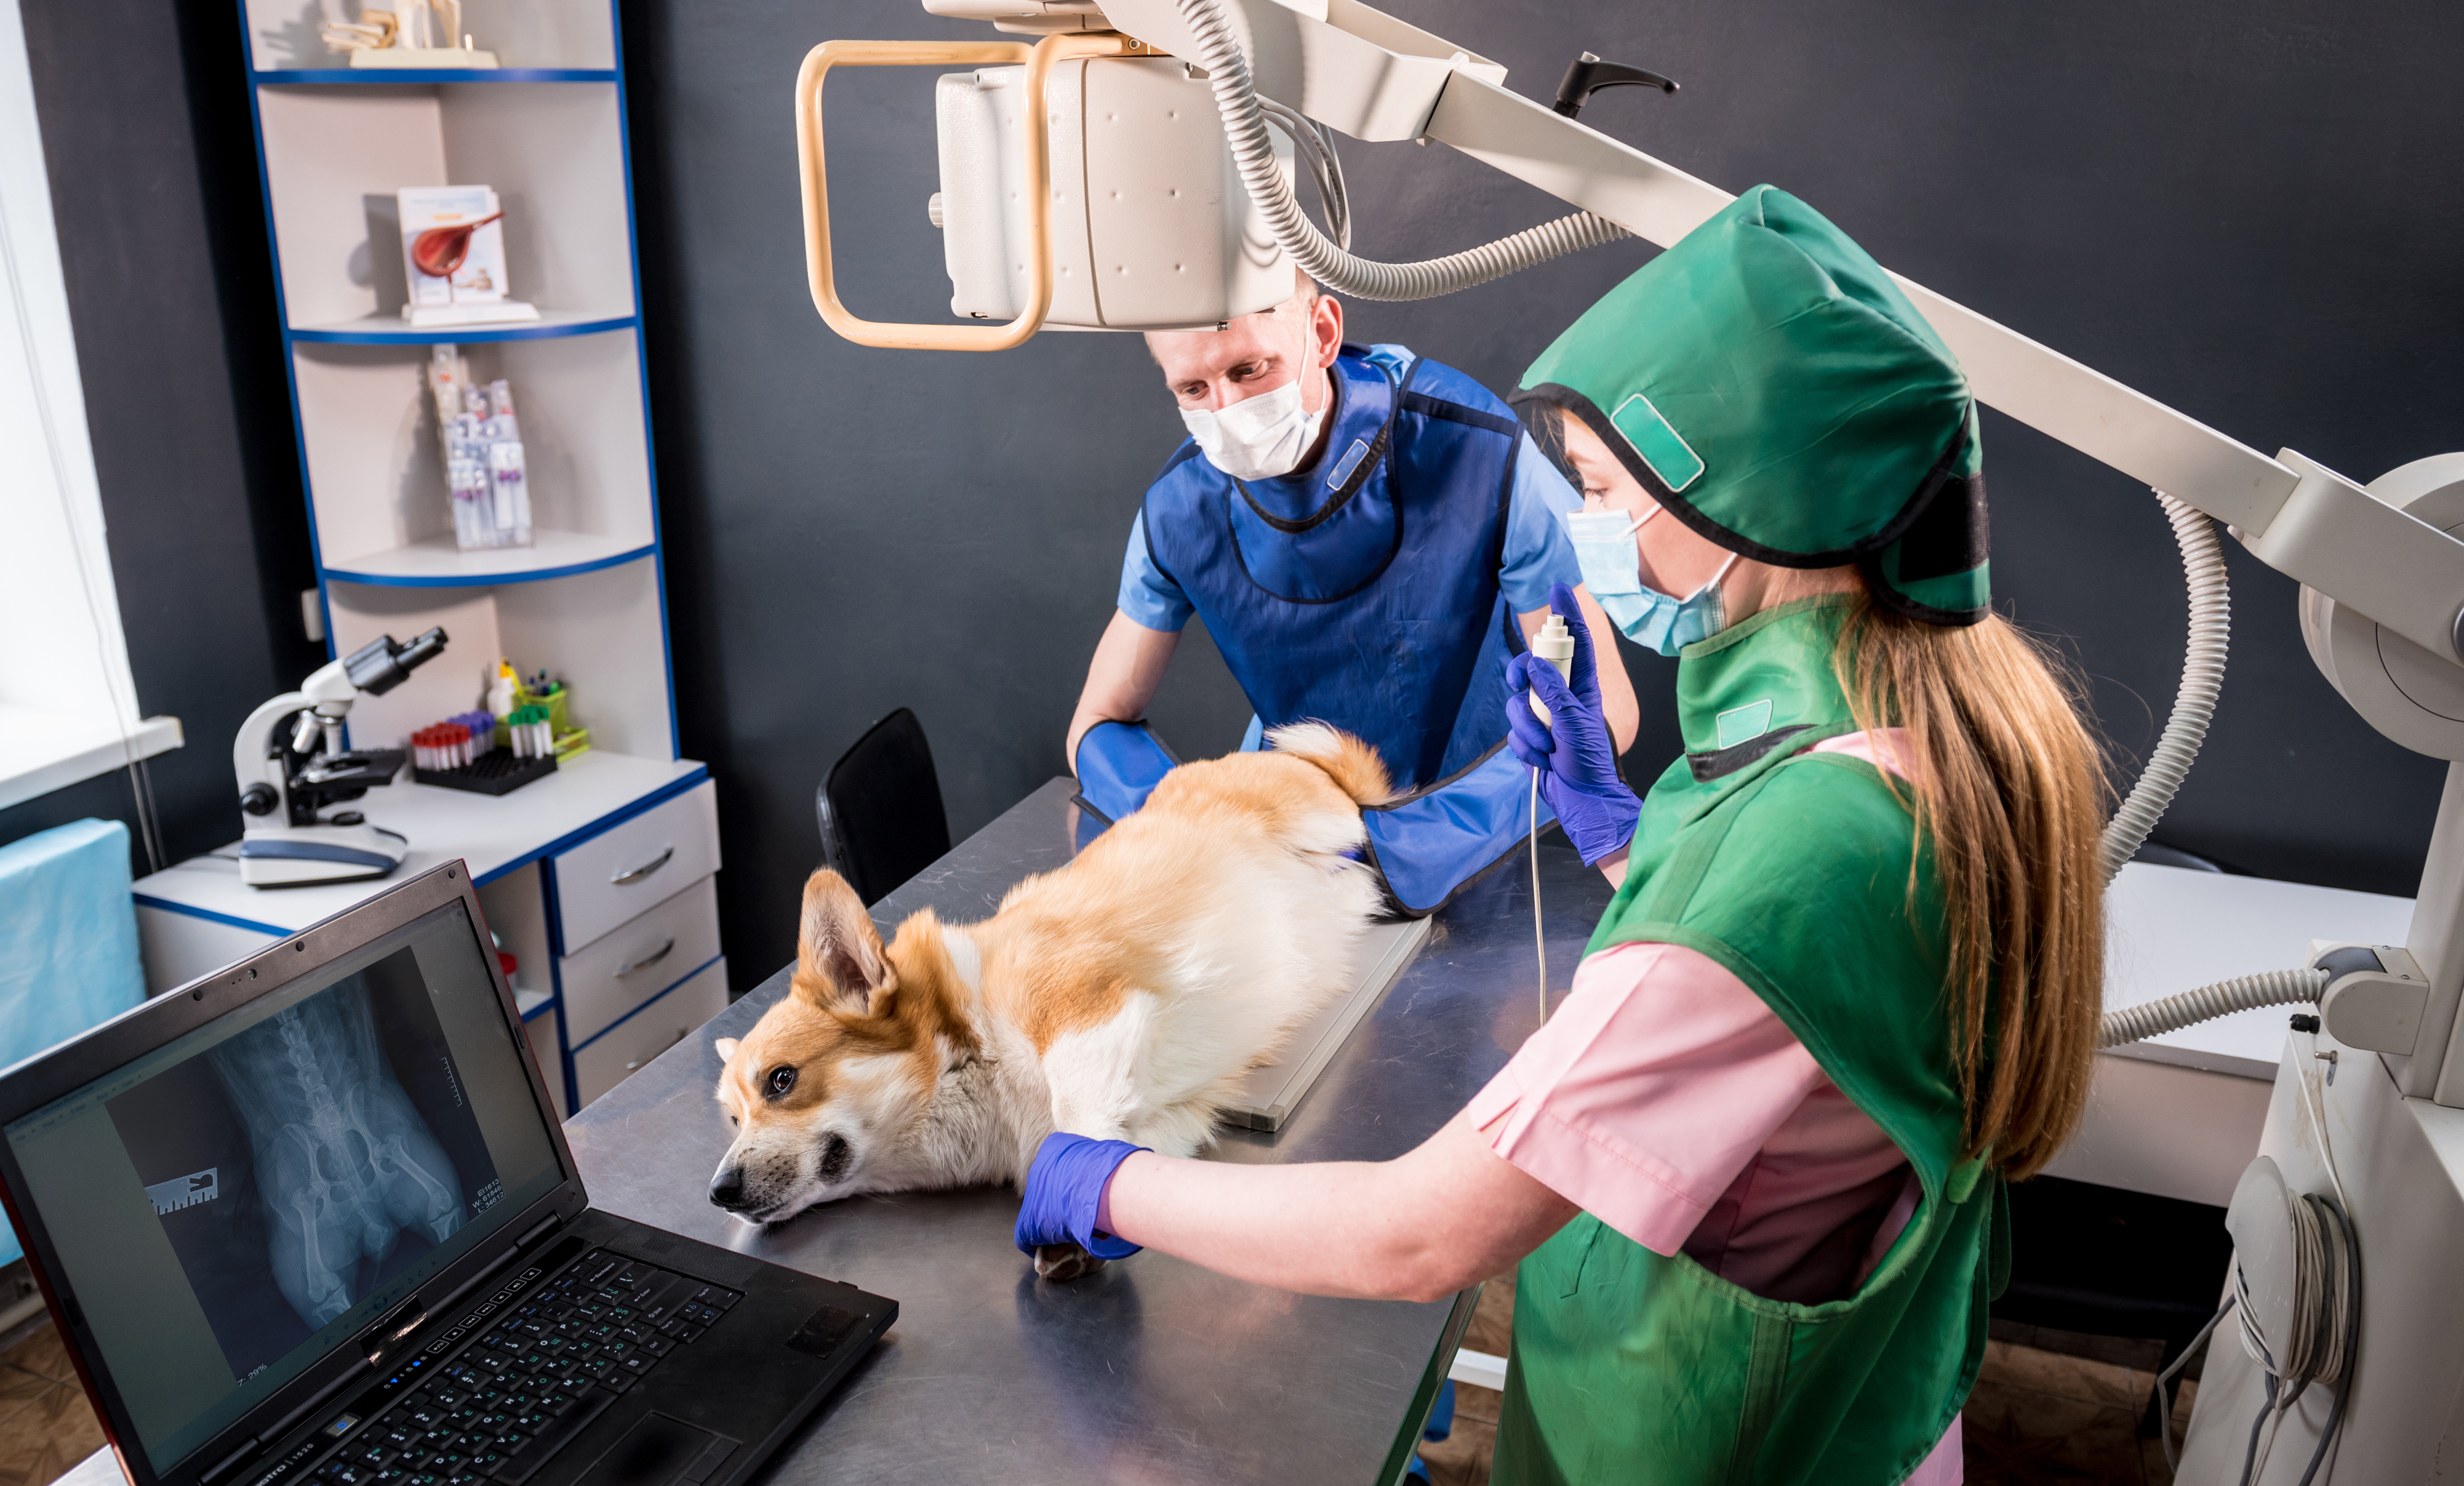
(1576, 761)
(1064, 1190)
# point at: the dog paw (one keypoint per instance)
(1062, 1263)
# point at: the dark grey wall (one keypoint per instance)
(2237, 208)
(2234, 206)
(153, 170)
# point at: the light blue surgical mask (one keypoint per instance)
(1613, 570)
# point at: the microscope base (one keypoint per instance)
(307, 856)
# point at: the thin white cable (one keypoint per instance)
(1539, 936)
(1253, 154)
(120, 687)
(1317, 151)
(2164, 1401)
(2317, 1117)
(2194, 702)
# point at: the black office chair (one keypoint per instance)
(880, 809)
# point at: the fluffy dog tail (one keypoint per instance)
(1353, 765)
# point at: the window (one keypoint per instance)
(68, 706)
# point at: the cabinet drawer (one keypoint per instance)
(629, 1045)
(638, 959)
(626, 868)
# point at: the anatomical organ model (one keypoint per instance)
(343, 1160)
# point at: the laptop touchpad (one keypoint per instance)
(660, 1451)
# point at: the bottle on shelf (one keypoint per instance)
(486, 476)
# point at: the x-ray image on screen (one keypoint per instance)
(302, 1163)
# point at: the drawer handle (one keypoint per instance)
(648, 959)
(644, 870)
(640, 1063)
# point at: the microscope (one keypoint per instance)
(291, 764)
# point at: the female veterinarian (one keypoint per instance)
(1752, 1166)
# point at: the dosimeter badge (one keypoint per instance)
(291, 767)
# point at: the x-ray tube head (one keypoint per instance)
(1151, 228)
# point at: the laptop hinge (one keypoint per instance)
(538, 1231)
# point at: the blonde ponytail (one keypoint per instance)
(2009, 790)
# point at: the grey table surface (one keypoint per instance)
(1154, 1369)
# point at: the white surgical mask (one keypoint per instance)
(1612, 569)
(1259, 437)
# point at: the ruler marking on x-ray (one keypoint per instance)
(185, 1191)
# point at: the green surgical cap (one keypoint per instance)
(1767, 382)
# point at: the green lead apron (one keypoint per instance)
(1791, 870)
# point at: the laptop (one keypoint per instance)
(311, 1219)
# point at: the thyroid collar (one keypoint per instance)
(1329, 529)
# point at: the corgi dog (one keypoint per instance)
(1120, 997)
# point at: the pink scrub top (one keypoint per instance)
(1663, 1097)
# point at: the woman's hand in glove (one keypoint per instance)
(1576, 761)
(1063, 1196)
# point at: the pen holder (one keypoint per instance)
(558, 718)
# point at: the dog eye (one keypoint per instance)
(781, 1079)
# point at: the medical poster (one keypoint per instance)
(473, 275)
(297, 1165)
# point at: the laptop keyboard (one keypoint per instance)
(550, 1357)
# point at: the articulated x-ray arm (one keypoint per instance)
(2382, 601)
(343, 1160)
(1375, 77)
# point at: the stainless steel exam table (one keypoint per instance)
(1154, 1370)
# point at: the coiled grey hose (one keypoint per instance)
(2194, 705)
(1244, 131)
(2266, 988)
(2195, 701)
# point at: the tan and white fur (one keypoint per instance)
(1120, 997)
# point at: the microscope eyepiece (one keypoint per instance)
(381, 665)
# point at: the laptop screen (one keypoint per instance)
(246, 1199)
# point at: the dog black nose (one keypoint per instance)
(727, 1189)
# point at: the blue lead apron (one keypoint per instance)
(1362, 591)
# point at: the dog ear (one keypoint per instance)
(839, 960)
(726, 1048)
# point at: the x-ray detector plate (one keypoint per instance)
(1271, 1092)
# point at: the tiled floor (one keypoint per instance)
(2039, 1418)
(46, 1425)
(1461, 1458)
(2036, 1418)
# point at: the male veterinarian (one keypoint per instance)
(1370, 536)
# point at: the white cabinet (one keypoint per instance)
(635, 961)
(587, 823)
(667, 1019)
(635, 865)
(636, 916)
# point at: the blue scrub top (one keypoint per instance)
(1537, 551)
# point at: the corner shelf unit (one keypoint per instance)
(587, 602)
